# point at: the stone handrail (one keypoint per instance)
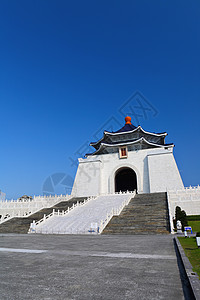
(170, 215)
(34, 199)
(191, 193)
(115, 212)
(195, 189)
(33, 225)
(23, 209)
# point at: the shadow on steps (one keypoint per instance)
(145, 214)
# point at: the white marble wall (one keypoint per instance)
(188, 199)
(163, 172)
(156, 171)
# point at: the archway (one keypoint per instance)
(125, 180)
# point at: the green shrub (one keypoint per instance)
(181, 216)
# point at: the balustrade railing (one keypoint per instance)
(36, 228)
(34, 225)
(115, 211)
(18, 208)
(188, 193)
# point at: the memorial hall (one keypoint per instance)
(129, 184)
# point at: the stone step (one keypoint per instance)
(139, 218)
(146, 213)
(148, 227)
(140, 209)
(138, 223)
(124, 222)
(135, 232)
(146, 216)
(136, 229)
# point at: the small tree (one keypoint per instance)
(181, 216)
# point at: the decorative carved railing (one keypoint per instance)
(24, 208)
(36, 228)
(188, 193)
(115, 212)
(35, 225)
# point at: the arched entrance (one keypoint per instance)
(125, 180)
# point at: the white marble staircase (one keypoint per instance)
(78, 220)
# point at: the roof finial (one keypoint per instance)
(128, 120)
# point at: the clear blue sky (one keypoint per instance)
(67, 67)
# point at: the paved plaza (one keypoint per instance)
(89, 267)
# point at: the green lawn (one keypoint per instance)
(192, 252)
(195, 225)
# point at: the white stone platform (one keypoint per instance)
(78, 220)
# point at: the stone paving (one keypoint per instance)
(89, 267)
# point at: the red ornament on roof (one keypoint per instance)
(128, 120)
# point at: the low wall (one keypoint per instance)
(23, 208)
(188, 199)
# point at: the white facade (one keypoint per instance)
(155, 168)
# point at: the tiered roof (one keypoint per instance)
(135, 138)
